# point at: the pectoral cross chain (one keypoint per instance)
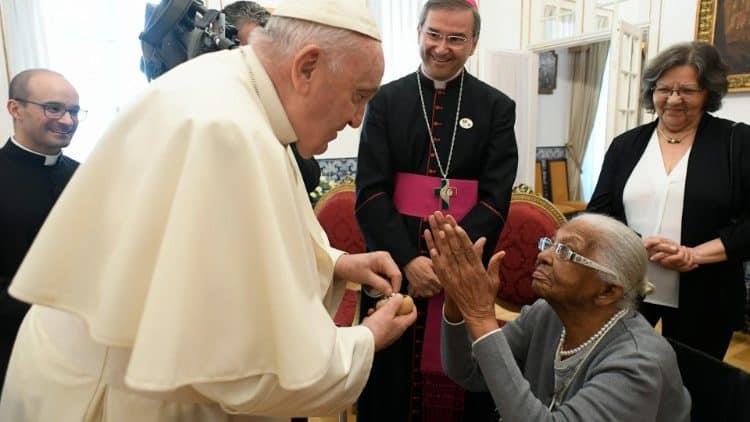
(445, 192)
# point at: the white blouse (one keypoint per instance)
(653, 201)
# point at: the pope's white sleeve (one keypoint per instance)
(332, 297)
(261, 395)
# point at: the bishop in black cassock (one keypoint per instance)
(395, 139)
(30, 184)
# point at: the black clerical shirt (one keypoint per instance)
(28, 190)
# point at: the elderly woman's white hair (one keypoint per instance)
(617, 247)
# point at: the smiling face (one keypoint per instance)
(33, 129)
(679, 112)
(442, 59)
(337, 99)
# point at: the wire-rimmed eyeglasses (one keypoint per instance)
(564, 253)
(682, 91)
(454, 39)
(55, 110)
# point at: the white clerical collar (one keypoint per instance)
(282, 127)
(439, 84)
(49, 160)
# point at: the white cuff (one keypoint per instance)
(453, 324)
(485, 336)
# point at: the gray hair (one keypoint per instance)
(242, 12)
(711, 69)
(289, 35)
(617, 247)
(451, 5)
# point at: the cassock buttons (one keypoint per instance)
(466, 123)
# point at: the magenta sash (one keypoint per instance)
(414, 195)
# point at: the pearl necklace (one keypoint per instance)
(602, 331)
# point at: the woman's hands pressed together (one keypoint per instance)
(470, 289)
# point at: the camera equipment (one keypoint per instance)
(177, 31)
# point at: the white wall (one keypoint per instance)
(635, 11)
(501, 24)
(678, 25)
(345, 145)
(6, 123)
(502, 30)
(554, 110)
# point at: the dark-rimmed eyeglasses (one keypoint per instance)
(564, 253)
(682, 91)
(55, 110)
(454, 40)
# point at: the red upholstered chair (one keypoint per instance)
(335, 212)
(530, 217)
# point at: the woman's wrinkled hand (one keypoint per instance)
(669, 254)
(458, 265)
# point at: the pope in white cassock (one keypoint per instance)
(182, 275)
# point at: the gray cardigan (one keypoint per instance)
(631, 375)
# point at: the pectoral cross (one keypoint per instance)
(445, 192)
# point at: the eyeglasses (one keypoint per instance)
(564, 253)
(682, 92)
(54, 110)
(454, 40)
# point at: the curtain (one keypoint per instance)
(397, 21)
(25, 35)
(597, 147)
(515, 74)
(587, 65)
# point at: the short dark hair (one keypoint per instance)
(711, 69)
(19, 85)
(452, 5)
(242, 12)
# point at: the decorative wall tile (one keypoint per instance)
(550, 153)
(338, 169)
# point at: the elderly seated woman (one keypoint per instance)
(581, 352)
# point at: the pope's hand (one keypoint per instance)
(385, 323)
(374, 269)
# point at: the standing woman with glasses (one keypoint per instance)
(683, 183)
(579, 353)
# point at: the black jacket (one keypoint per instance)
(716, 204)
